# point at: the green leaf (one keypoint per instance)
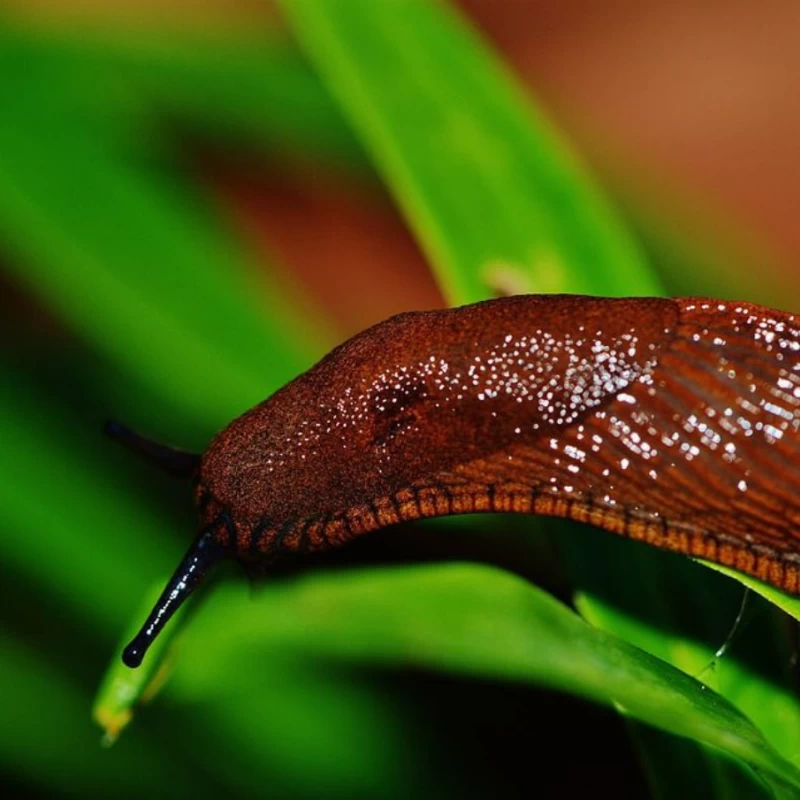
(494, 196)
(135, 265)
(243, 88)
(45, 738)
(69, 520)
(788, 603)
(486, 622)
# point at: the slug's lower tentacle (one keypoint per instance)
(202, 555)
(178, 463)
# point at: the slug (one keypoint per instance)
(672, 421)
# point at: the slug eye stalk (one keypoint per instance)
(201, 556)
(178, 463)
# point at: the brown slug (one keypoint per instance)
(671, 421)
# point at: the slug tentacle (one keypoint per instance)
(203, 554)
(178, 463)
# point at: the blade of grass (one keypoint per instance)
(788, 603)
(487, 623)
(141, 271)
(452, 135)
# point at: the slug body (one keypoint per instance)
(673, 421)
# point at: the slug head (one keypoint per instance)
(403, 402)
(421, 393)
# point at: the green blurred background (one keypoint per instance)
(199, 199)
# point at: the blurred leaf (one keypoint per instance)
(45, 737)
(487, 622)
(70, 524)
(701, 771)
(247, 88)
(493, 195)
(140, 269)
(313, 732)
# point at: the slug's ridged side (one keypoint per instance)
(671, 421)
(698, 457)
